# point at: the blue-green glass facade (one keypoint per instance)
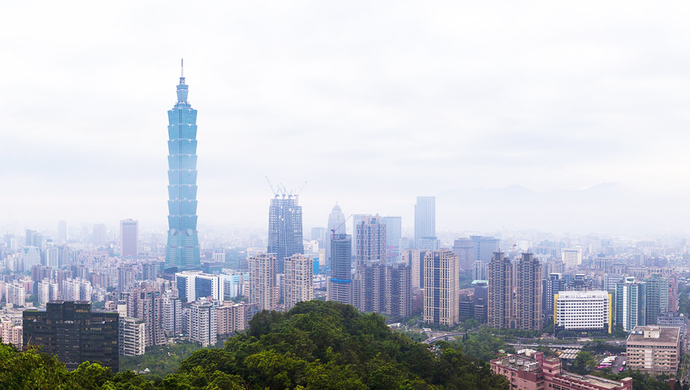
(183, 241)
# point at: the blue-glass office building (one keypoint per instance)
(183, 241)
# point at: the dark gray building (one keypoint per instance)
(75, 334)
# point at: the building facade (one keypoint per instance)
(583, 310)
(263, 287)
(441, 288)
(182, 250)
(132, 337)
(284, 229)
(630, 304)
(203, 323)
(500, 293)
(654, 350)
(299, 287)
(657, 288)
(340, 281)
(75, 334)
(528, 297)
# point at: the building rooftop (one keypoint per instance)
(591, 379)
(654, 334)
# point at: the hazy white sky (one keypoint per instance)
(371, 103)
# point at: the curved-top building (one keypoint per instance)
(183, 241)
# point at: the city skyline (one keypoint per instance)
(476, 101)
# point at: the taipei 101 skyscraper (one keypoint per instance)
(183, 241)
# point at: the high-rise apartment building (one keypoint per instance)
(299, 286)
(393, 236)
(370, 257)
(630, 304)
(182, 250)
(129, 238)
(398, 293)
(15, 294)
(203, 323)
(146, 303)
(500, 293)
(74, 333)
(340, 281)
(132, 337)
(172, 315)
(263, 287)
(336, 225)
(425, 223)
(656, 298)
(125, 278)
(284, 229)
(234, 317)
(528, 297)
(441, 288)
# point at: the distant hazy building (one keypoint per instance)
(398, 293)
(393, 236)
(129, 238)
(583, 310)
(125, 278)
(484, 248)
(172, 315)
(500, 293)
(15, 294)
(441, 288)
(234, 317)
(336, 225)
(415, 259)
(298, 280)
(572, 257)
(263, 287)
(528, 297)
(284, 229)
(464, 248)
(75, 334)
(340, 281)
(100, 235)
(62, 232)
(425, 223)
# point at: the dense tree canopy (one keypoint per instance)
(317, 345)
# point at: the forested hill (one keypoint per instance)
(317, 345)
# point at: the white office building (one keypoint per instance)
(583, 310)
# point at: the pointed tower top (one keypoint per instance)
(182, 71)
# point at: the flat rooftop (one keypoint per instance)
(659, 335)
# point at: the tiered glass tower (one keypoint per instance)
(183, 241)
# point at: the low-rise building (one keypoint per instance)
(539, 373)
(654, 350)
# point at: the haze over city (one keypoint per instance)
(562, 117)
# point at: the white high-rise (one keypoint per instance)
(583, 310)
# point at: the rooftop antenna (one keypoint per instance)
(182, 66)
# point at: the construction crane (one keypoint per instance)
(275, 193)
(338, 227)
(280, 190)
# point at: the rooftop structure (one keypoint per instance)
(537, 372)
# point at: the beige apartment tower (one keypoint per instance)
(441, 288)
(299, 285)
(654, 350)
(263, 287)
(500, 294)
(528, 296)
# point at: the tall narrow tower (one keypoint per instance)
(183, 241)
